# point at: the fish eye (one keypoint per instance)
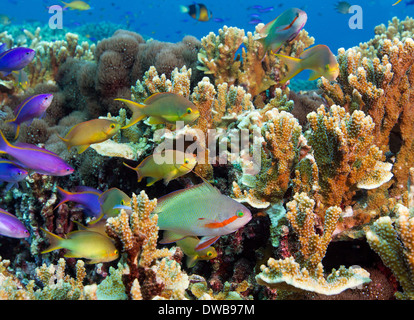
(327, 67)
(112, 126)
(122, 202)
(240, 214)
(209, 254)
(189, 110)
(67, 169)
(186, 161)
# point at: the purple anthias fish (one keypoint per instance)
(15, 59)
(12, 227)
(30, 108)
(87, 198)
(37, 159)
(11, 173)
(281, 30)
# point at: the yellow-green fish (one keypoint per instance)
(89, 132)
(177, 164)
(199, 211)
(111, 198)
(161, 108)
(188, 246)
(84, 244)
(94, 226)
(397, 2)
(319, 59)
(77, 5)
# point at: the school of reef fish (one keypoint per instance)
(327, 215)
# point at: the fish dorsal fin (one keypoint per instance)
(265, 30)
(157, 96)
(7, 213)
(193, 192)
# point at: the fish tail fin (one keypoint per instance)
(4, 144)
(66, 141)
(184, 9)
(136, 170)
(136, 108)
(65, 196)
(293, 64)
(54, 241)
(66, 5)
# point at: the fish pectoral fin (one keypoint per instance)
(314, 75)
(155, 120)
(170, 176)
(151, 181)
(170, 237)
(191, 261)
(206, 242)
(82, 149)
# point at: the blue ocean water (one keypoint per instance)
(163, 20)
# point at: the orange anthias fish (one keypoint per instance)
(84, 244)
(161, 108)
(89, 132)
(319, 59)
(199, 211)
(179, 165)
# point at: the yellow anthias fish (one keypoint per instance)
(319, 59)
(84, 244)
(176, 165)
(89, 132)
(188, 246)
(77, 5)
(161, 108)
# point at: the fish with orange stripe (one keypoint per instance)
(281, 30)
(201, 211)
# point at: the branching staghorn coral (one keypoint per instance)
(218, 57)
(137, 234)
(382, 88)
(55, 283)
(305, 271)
(344, 152)
(394, 243)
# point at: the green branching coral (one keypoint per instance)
(394, 243)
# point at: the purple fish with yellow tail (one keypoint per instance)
(319, 59)
(12, 227)
(37, 159)
(281, 30)
(87, 199)
(30, 108)
(199, 211)
(15, 59)
(12, 173)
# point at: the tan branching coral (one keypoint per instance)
(305, 271)
(218, 57)
(344, 151)
(381, 87)
(394, 243)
